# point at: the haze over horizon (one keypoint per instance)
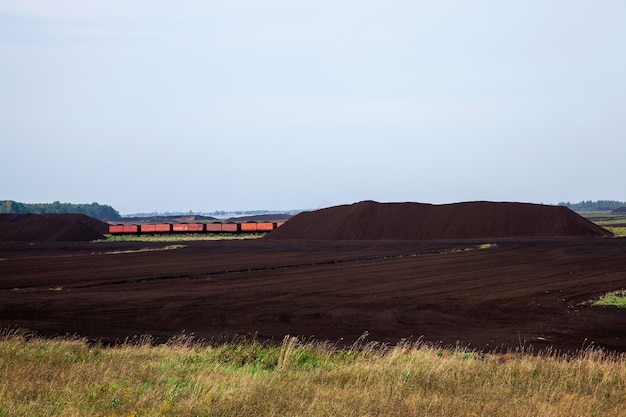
(205, 106)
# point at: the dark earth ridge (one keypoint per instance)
(51, 228)
(370, 220)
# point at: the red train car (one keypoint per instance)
(156, 228)
(116, 228)
(188, 228)
(265, 226)
(163, 228)
(230, 227)
(217, 227)
(148, 228)
(248, 227)
(131, 228)
(213, 227)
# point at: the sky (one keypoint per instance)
(246, 105)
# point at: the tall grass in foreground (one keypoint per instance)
(71, 377)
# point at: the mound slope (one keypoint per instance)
(370, 220)
(50, 227)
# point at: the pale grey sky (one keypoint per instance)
(202, 105)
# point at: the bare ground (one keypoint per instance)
(522, 292)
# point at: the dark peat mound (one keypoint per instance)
(370, 220)
(50, 228)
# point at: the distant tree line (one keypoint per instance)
(95, 210)
(600, 205)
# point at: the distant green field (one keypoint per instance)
(613, 222)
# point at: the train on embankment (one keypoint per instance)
(173, 228)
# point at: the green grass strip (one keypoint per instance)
(615, 298)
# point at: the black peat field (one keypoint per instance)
(311, 319)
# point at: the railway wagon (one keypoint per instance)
(213, 228)
(132, 228)
(156, 228)
(230, 228)
(124, 229)
(166, 228)
(116, 228)
(248, 227)
(188, 228)
(265, 226)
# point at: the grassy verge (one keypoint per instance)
(615, 298)
(73, 378)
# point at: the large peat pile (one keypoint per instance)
(50, 228)
(370, 220)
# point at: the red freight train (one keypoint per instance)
(167, 228)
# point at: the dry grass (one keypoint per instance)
(73, 378)
(617, 231)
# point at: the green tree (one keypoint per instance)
(95, 210)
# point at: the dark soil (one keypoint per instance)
(50, 228)
(522, 292)
(369, 220)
